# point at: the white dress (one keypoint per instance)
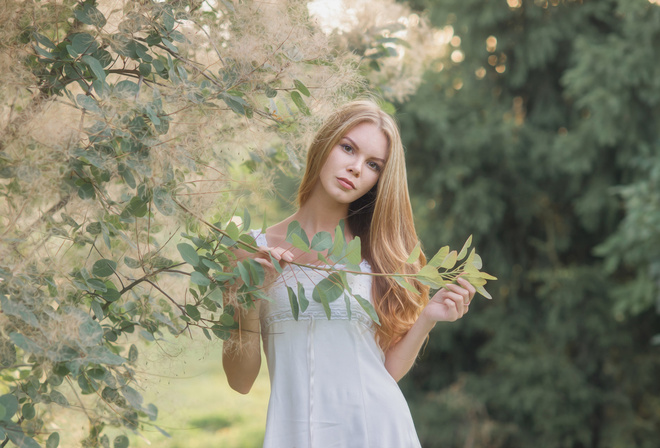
(329, 385)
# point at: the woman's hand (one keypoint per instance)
(449, 305)
(282, 256)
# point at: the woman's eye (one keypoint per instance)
(347, 148)
(374, 166)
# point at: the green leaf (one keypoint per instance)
(161, 430)
(132, 354)
(367, 307)
(403, 282)
(131, 262)
(235, 103)
(481, 290)
(414, 255)
(232, 231)
(293, 301)
(354, 251)
(104, 268)
(88, 103)
(18, 438)
(216, 296)
(464, 249)
(18, 309)
(299, 243)
(321, 241)
(43, 53)
(126, 89)
(450, 260)
(299, 102)
(96, 284)
(120, 442)
(302, 241)
(89, 15)
(199, 279)
(152, 410)
(244, 272)
(86, 191)
(276, 264)
(302, 298)
(338, 243)
(103, 355)
(329, 289)
(59, 398)
(211, 264)
(95, 66)
(136, 207)
(477, 263)
(90, 333)
(84, 43)
(301, 87)
(10, 405)
(270, 92)
(193, 312)
(188, 253)
(438, 257)
(227, 320)
(246, 219)
(28, 411)
(224, 276)
(43, 40)
(53, 440)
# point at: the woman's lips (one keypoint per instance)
(346, 183)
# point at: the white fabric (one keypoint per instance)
(329, 385)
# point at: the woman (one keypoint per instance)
(334, 382)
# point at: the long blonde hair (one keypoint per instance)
(382, 218)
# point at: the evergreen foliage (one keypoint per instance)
(539, 134)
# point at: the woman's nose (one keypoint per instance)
(354, 170)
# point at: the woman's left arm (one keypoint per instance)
(447, 305)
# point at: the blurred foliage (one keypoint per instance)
(123, 124)
(539, 134)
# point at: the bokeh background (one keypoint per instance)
(533, 125)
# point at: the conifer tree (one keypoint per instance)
(538, 133)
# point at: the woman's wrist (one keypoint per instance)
(425, 322)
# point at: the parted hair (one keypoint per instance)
(382, 218)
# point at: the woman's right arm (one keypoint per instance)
(241, 354)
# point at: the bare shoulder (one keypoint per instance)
(276, 234)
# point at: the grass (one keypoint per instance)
(185, 381)
(196, 406)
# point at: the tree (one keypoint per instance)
(128, 134)
(537, 132)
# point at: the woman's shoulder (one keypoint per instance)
(276, 234)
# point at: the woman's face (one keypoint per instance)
(355, 163)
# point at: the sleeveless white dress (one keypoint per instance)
(329, 385)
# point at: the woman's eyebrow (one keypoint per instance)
(355, 145)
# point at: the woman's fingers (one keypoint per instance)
(467, 285)
(465, 294)
(281, 254)
(277, 253)
(455, 301)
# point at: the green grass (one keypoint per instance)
(195, 404)
(185, 381)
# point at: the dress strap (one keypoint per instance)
(259, 237)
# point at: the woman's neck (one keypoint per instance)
(317, 216)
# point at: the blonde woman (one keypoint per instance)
(334, 382)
